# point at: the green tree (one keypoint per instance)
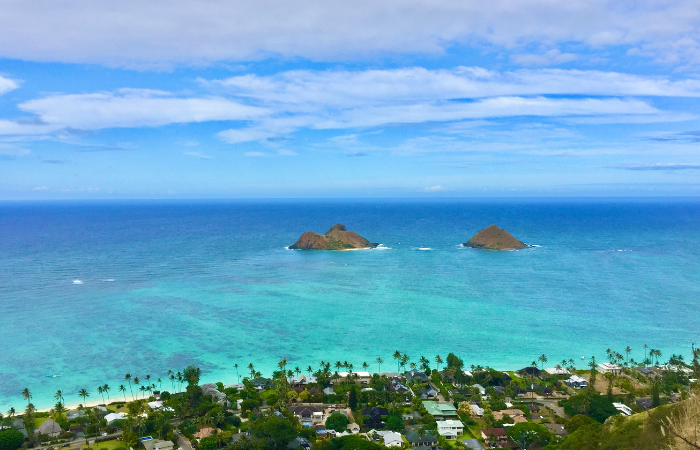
(527, 434)
(590, 403)
(578, 421)
(394, 423)
(10, 439)
(191, 374)
(83, 393)
(397, 357)
(337, 422)
(27, 395)
(352, 399)
(127, 378)
(379, 361)
(454, 363)
(438, 361)
(122, 389)
(593, 365)
(273, 433)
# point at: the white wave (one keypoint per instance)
(534, 245)
(424, 248)
(108, 280)
(382, 247)
(77, 282)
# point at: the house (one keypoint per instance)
(157, 444)
(49, 428)
(204, 432)
(210, 390)
(397, 386)
(429, 392)
(557, 371)
(499, 389)
(450, 429)
(513, 413)
(645, 371)
(440, 410)
(308, 414)
(482, 390)
(262, 383)
(530, 370)
(476, 409)
(159, 405)
(75, 415)
(18, 423)
(473, 444)
(413, 415)
(362, 378)
(496, 435)
(353, 428)
(416, 375)
(614, 369)
(576, 382)
(300, 443)
(301, 381)
(373, 416)
(388, 438)
(624, 409)
(426, 441)
(556, 429)
(111, 417)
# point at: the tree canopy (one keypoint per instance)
(337, 422)
(11, 439)
(590, 403)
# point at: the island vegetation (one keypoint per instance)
(494, 238)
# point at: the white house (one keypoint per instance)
(450, 429)
(111, 417)
(576, 382)
(389, 438)
(610, 368)
(360, 377)
(624, 409)
(556, 371)
(478, 410)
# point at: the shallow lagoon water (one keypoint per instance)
(92, 291)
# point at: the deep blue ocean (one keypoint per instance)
(91, 291)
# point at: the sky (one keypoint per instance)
(324, 99)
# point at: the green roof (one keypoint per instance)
(440, 409)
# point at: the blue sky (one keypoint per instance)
(383, 98)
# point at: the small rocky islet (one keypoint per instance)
(337, 238)
(494, 238)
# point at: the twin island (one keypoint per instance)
(339, 238)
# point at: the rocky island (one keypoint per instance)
(494, 238)
(337, 238)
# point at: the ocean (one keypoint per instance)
(93, 290)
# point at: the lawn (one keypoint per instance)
(107, 445)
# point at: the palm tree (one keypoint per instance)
(148, 378)
(542, 359)
(237, 376)
(404, 360)
(180, 379)
(172, 381)
(122, 389)
(59, 396)
(310, 370)
(27, 395)
(252, 370)
(397, 357)
(101, 391)
(143, 390)
(106, 390)
(297, 370)
(160, 385)
(627, 351)
(645, 351)
(83, 393)
(127, 377)
(592, 364)
(438, 361)
(338, 365)
(380, 361)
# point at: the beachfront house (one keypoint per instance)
(49, 428)
(614, 369)
(210, 390)
(361, 378)
(529, 371)
(416, 375)
(576, 382)
(450, 429)
(440, 411)
(557, 371)
(111, 417)
(75, 415)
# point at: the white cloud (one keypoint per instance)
(40, 188)
(132, 108)
(7, 85)
(436, 188)
(552, 57)
(159, 32)
(198, 155)
(256, 154)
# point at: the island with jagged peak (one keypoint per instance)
(494, 238)
(337, 238)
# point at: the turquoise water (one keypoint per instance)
(169, 284)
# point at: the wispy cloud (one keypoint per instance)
(256, 154)
(549, 58)
(7, 85)
(198, 155)
(53, 161)
(659, 166)
(436, 188)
